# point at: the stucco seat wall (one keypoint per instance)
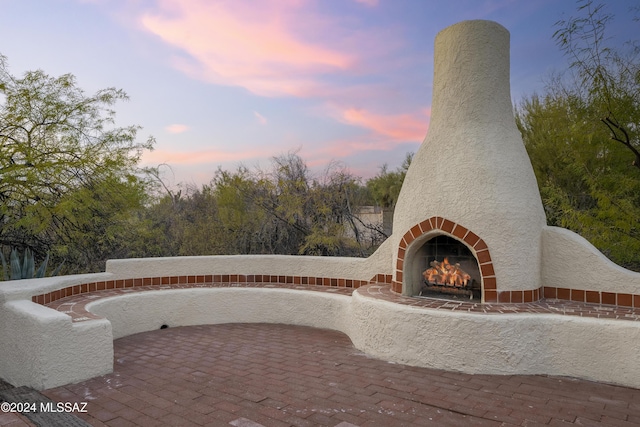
(145, 311)
(59, 352)
(505, 344)
(287, 265)
(42, 348)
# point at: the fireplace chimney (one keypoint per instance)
(472, 169)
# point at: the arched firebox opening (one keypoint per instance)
(425, 246)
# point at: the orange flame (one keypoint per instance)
(444, 273)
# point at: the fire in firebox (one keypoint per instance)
(446, 274)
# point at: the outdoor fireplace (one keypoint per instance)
(470, 191)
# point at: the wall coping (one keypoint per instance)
(78, 306)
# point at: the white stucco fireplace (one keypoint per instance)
(471, 181)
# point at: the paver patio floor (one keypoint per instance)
(247, 375)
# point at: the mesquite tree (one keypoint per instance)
(67, 173)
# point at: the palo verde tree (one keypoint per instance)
(582, 137)
(608, 76)
(67, 173)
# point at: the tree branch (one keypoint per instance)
(614, 127)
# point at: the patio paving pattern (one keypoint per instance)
(252, 375)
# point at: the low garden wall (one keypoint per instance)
(45, 347)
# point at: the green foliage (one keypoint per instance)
(71, 188)
(586, 184)
(282, 210)
(101, 220)
(582, 138)
(328, 241)
(241, 217)
(68, 175)
(286, 210)
(385, 187)
(607, 75)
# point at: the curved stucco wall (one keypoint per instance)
(287, 265)
(505, 344)
(589, 348)
(570, 261)
(24, 289)
(472, 167)
(146, 311)
(42, 348)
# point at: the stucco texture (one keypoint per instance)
(472, 167)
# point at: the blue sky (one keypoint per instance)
(229, 82)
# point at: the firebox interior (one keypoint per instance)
(441, 249)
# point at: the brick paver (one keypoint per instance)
(252, 375)
(12, 419)
(8, 418)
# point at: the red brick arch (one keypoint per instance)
(475, 243)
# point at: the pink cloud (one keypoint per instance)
(370, 3)
(159, 156)
(386, 133)
(384, 140)
(348, 147)
(296, 48)
(265, 46)
(392, 127)
(261, 119)
(361, 155)
(177, 128)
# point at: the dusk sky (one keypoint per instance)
(229, 82)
